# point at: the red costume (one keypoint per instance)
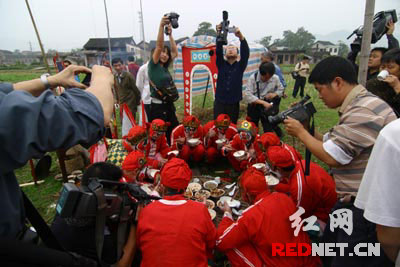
(157, 147)
(251, 145)
(175, 232)
(222, 128)
(190, 128)
(316, 193)
(262, 224)
(132, 166)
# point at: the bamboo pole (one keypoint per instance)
(108, 34)
(366, 41)
(60, 153)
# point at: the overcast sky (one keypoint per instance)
(66, 24)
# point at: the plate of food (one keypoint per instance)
(210, 204)
(194, 187)
(188, 194)
(217, 192)
(240, 155)
(210, 185)
(233, 203)
(202, 194)
(271, 180)
(213, 214)
(193, 141)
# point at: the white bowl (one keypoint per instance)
(233, 203)
(173, 152)
(194, 187)
(271, 180)
(259, 166)
(210, 185)
(213, 214)
(152, 173)
(220, 142)
(240, 155)
(193, 141)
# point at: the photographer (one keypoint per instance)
(302, 69)
(263, 95)
(375, 56)
(160, 78)
(34, 121)
(346, 147)
(230, 75)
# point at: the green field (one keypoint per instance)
(45, 195)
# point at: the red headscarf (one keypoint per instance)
(269, 139)
(280, 156)
(191, 121)
(222, 120)
(135, 136)
(176, 174)
(253, 182)
(134, 160)
(158, 125)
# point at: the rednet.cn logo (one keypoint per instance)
(341, 218)
(324, 249)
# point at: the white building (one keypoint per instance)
(326, 46)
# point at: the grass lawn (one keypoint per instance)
(45, 195)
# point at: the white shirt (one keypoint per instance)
(142, 83)
(379, 193)
(273, 85)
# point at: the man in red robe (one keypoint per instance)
(182, 136)
(247, 140)
(157, 147)
(265, 222)
(174, 232)
(219, 129)
(316, 193)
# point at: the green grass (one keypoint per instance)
(46, 194)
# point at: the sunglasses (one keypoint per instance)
(190, 129)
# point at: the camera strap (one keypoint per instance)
(308, 152)
(122, 226)
(97, 190)
(40, 225)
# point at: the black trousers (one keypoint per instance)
(230, 109)
(254, 113)
(167, 113)
(147, 109)
(363, 232)
(299, 84)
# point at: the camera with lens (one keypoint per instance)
(84, 201)
(380, 21)
(222, 36)
(173, 19)
(302, 111)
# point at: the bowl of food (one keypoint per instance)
(194, 187)
(271, 180)
(188, 194)
(202, 194)
(193, 142)
(210, 204)
(213, 214)
(217, 192)
(220, 142)
(210, 185)
(173, 153)
(240, 155)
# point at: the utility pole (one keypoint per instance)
(30, 46)
(366, 41)
(142, 23)
(108, 33)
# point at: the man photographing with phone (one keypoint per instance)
(230, 74)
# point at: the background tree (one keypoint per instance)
(205, 28)
(301, 39)
(265, 41)
(343, 49)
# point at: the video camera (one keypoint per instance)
(222, 36)
(380, 21)
(173, 19)
(301, 112)
(82, 202)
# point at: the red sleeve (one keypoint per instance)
(238, 233)
(282, 188)
(175, 135)
(211, 233)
